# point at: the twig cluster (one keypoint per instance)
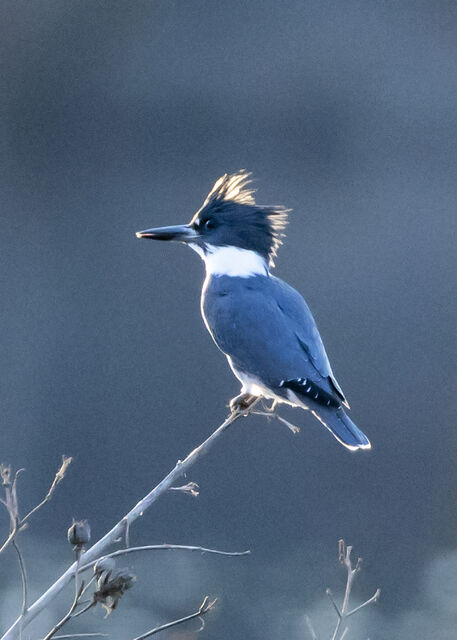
(17, 524)
(11, 501)
(111, 582)
(205, 606)
(341, 629)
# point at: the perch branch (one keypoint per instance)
(97, 550)
(204, 608)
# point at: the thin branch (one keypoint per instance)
(309, 624)
(23, 578)
(67, 616)
(89, 606)
(94, 577)
(344, 634)
(79, 590)
(60, 475)
(97, 550)
(204, 608)
(337, 629)
(127, 534)
(164, 547)
(374, 598)
(332, 600)
(344, 556)
(82, 635)
(9, 539)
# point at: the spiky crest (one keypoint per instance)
(233, 189)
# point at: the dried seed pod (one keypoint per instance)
(104, 564)
(111, 585)
(79, 533)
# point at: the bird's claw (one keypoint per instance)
(242, 403)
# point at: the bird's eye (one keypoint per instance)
(209, 224)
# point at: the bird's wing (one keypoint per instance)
(294, 307)
(267, 329)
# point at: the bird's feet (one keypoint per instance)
(242, 403)
(270, 409)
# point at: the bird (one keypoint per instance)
(262, 324)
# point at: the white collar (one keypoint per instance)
(231, 261)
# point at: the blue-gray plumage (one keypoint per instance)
(262, 324)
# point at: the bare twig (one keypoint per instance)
(94, 577)
(332, 600)
(345, 632)
(344, 555)
(99, 547)
(309, 624)
(67, 616)
(204, 608)
(164, 547)
(10, 502)
(374, 598)
(60, 475)
(23, 577)
(12, 505)
(78, 593)
(8, 539)
(89, 606)
(127, 534)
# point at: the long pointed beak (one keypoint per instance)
(177, 233)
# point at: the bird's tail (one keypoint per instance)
(342, 427)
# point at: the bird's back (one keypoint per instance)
(266, 328)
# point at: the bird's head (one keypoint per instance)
(230, 227)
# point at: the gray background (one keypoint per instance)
(116, 116)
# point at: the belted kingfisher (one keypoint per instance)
(259, 322)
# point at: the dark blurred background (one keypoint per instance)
(116, 116)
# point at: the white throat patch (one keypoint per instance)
(231, 261)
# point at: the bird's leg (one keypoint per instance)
(242, 402)
(270, 412)
(271, 409)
